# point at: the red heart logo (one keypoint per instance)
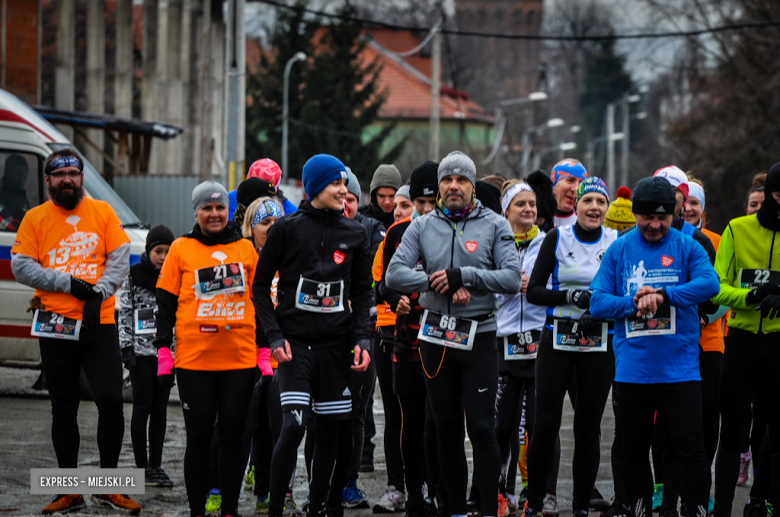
(450, 335)
(666, 261)
(338, 257)
(530, 348)
(652, 324)
(583, 341)
(326, 302)
(235, 269)
(471, 246)
(227, 282)
(58, 328)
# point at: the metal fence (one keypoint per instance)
(159, 199)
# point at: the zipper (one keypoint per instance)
(522, 298)
(452, 261)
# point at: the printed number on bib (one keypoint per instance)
(221, 279)
(314, 296)
(566, 337)
(663, 322)
(446, 330)
(52, 325)
(521, 346)
(749, 278)
(145, 321)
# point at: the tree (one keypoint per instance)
(334, 97)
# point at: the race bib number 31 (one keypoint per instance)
(749, 278)
(314, 296)
(221, 279)
(663, 322)
(446, 330)
(52, 325)
(566, 337)
(521, 346)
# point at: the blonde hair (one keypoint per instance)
(246, 227)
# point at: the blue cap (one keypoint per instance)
(321, 170)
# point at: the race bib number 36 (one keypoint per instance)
(314, 296)
(566, 336)
(446, 330)
(749, 278)
(663, 322)
(521, 346)
(52, 325)
(221, 279)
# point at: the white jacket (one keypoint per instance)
(515, 314)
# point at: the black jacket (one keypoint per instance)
(307, 244)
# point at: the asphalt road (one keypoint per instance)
(25, 443)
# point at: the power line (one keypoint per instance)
(535, 37)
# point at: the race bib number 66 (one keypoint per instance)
(447, 330)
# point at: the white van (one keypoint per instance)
(27, 138)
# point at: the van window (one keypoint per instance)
(20, 189)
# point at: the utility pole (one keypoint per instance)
(235, 93)
(624, 147)
(206, 96)
(611, 146)
(433, 142)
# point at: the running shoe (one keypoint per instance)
(305, 506)
(117, 502)
(503, 506)
(512, 505)
(770, 511)
(523, 497)
(353, 497)
(156, 476)
(597, 501)
(213, 501)
(530, 512)
(473, 507)
(290, 509)
(711, 505)
(249, 479)
(550, 506)
(261, 505)
(430, 508)
(658, 496)
(64, 504)
(579, 513)
(667, 511)
(617, 509)
(393, 501)
(744, 468)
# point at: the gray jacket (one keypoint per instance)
(482, 246)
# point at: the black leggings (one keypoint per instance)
(150, 404)
(263, 428)
(409, 385)
(554, 368)
(750, 365)
(509, 410)
(465, 380)
(383, 359)
(203, 394)
(97, 352)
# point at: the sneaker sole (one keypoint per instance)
(104, 502)
(159, 484)
(359, 504)
(382, 509)
(74, 508)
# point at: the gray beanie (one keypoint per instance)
(209, 192)
(457, 163)
(386, 175)
(403, 192)
(353, 185)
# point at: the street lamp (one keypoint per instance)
(501, 121)
(299, 56)
(550, 124)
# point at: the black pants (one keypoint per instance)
(594, 372)
(680, 403)
(618, 479)
(383, 359)
(264, 425)
(203, 394)
(467, 380)
(362, 402)
(509, 410)
(750, 365)
(150, 405)
(97, 352)
(409, 386)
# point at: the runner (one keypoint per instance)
(137, 332)
(269, 171)
(570, 347)
(202, 293)
(650, 282)
(566, 176)
(249, 190)
(319, 330)
(748, 285)
(74, 252)
(402, 204)
(756, 194)
(469, 255)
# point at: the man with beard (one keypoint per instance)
(74, 252)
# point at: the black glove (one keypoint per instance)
(770, 307)
(454, 279)
(263, 382)
(585, 325)
(91, 314)
(757, 294)
(128, 357)
(168, 380)
(578, 297)
(83, 290)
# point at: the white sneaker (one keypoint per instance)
(393, 501)
(550, 506)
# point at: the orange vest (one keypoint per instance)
(711, 339)
(384, 316)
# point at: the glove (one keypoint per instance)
(585, 325)
(35, 305)
(165, 368)
(578, 297)
(454, 279)
(770, 307)
(128, 357)
(91, 313)
(264, 361)
(757, 294)
(83, 290)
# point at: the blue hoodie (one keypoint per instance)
(681, 266)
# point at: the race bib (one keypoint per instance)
(145, 321)
(521, 346)
(316, 296)
(446, 330)
(749, 278)
(221, 279)
(52, 325)
(661, 323)
(566, 337)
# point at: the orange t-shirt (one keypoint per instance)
(385, 317)
(76, 242)
(214, 332)
(711, 339)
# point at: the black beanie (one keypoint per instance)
(653, 196)
(489, 195)
(424, 180)
(769, 213)
(542, 185)
(253, 188)
(160, 234)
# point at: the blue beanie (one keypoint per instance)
(319, 171)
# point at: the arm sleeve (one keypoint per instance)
(270, 260)
(702, 281)
(605, 302)
(126, 320)
(537, 292)
(30, 272)
(726, 269)
(507, 277)
(116, 270)
(391, 296)
(718, 314)
(400, 274)
(360, 292)
(167, 304)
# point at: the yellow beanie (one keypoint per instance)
(619, 215)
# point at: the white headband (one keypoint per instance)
(512, 191)
(696, 190)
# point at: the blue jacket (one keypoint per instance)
(681, 266)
